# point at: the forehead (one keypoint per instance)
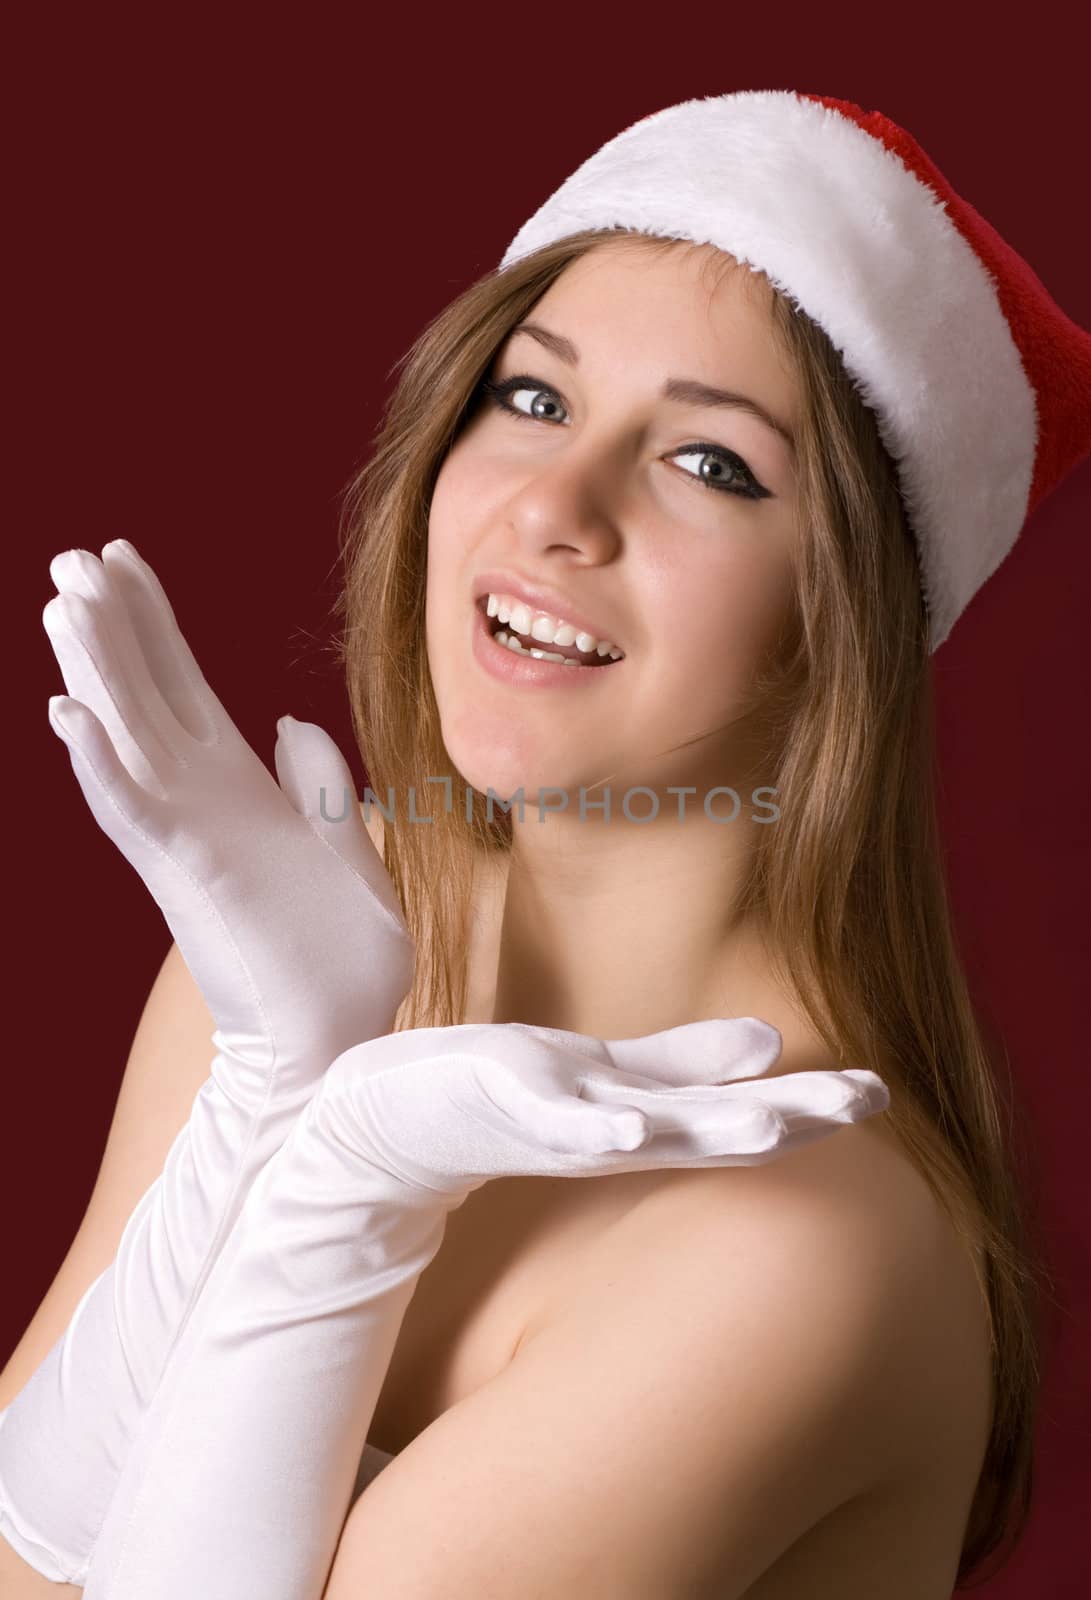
(675, 307)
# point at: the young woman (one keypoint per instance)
(724, 1376)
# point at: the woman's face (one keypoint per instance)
(662, 524)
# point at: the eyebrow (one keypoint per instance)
(689, 391)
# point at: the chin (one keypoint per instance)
(506, 777)
(501, 761)
(484, 745)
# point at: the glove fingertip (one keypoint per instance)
(610, 1133)
(760, 1031)
(57, 707)
(286, 766)
(61, 567)
(627, 1130)
(119, 556)
(873, 1090)
(65, 713)
(313, 772)
(53, 614)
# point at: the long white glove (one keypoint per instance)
(292, 929)
(241, 1478)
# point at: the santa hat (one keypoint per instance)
(980, 384)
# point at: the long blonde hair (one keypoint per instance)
(850, 883)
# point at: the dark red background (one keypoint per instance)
(224, 232)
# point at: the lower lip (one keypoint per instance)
(527, 671)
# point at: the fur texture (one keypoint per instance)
(801, 193)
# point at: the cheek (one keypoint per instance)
(449, 540)
(458, 515)
(730, 618)
(463, 494)
(458, 519)
(444, 519)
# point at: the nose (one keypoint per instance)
(566, 507)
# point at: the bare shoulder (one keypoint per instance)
(845, 1229)
(757, 1328)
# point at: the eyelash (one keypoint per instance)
(497, 394)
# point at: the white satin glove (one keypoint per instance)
(241, 1478)
(292, 929)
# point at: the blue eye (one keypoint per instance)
(500, 394)
(729, 472)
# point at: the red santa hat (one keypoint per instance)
(980, 384)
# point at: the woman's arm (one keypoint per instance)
(737, 1367)
(286, 918)
(167, 1064)
(240, 1478)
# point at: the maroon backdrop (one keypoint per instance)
(224, 234)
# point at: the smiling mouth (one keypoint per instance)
(523, 644)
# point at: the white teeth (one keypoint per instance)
(515, 644)
(549, 630)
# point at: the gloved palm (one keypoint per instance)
(277, 898)
(285, 1356)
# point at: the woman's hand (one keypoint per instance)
(287, 920)
(241, 1478)
(451, 1108)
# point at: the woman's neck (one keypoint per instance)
(625, 930)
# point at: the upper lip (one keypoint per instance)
(540, 597)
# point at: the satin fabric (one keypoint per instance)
(241, 1478)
